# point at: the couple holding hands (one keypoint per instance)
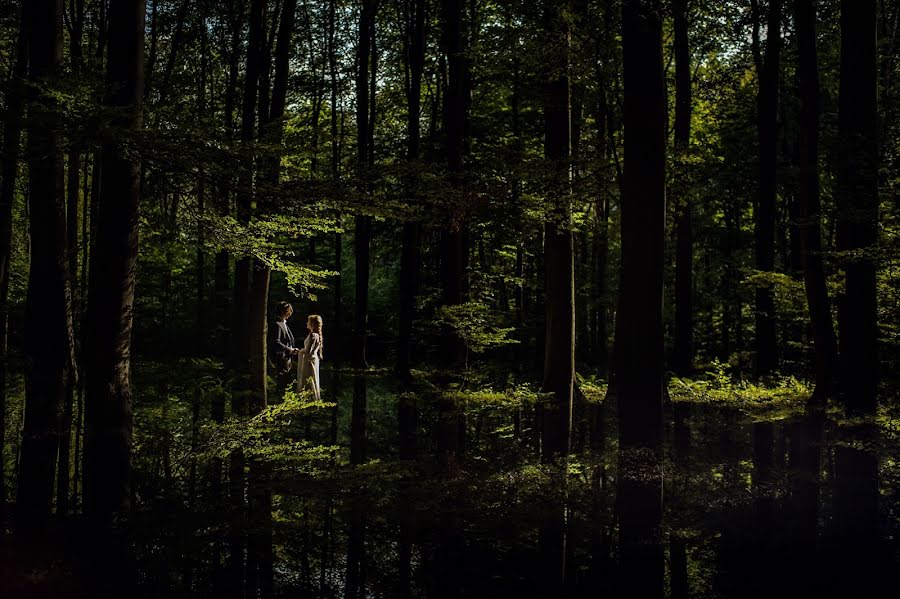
(283, 349)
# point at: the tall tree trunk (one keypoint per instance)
(857, 192)
(455, 128)
(222, 282)
(639, 352)
(338, 326)
(683, 358)
(808, 205)
(363, 223)
(108, 410)
(409, 260)
(201, 326)
(12, 133)
(48, 319)
(764, 227)
(75, 26)
(559, 275)
(240, 331)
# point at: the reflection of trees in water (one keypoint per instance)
(733, 521)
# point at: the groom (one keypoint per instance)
(282, 344)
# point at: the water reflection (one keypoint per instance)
(728, 507)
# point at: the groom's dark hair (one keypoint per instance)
(283, 307)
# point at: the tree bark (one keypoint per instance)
(857, 192)
(108, 408)
(363, 223)
(456, 118)
(241, 327)
(559, 274)
(764, 226)
(639, 352)
(48, 319)
(409, 260)
(808, 204)
(683, 358)
(12, 133)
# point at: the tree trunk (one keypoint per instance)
(808, 205)
(335, 181)
(456, 128)
(559, 275)
(683, 358)
(764, 229)
(271, 129)
(12, 133)
(857, 192)
(108, 409)
(48, 320)
(409, 260)
(362, 231)
(241, 326)
(639, 352)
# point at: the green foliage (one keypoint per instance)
(475, 326)
(716, 386)
(272, 436)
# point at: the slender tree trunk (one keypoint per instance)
(222, 283)
(683, 359)
(764, 226)
(201, 326)
(559, 274)
(108, 410)
(409, 261)
(49, 337)
(335, 181)
(240, 332)
(12, 133)
(808, 204)
(455, 128)
(75, 25)
(857, 192)
(363, 223)
(639, 352)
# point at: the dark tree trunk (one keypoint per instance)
(222, 282)
(857, 192)
(266, 176)
(108, 409)
(559, 275)
(75, 26)
(639, 326)
(335, 181)
(12, 133)
(683, 358)
(455, 128)
(201, 325)
(48, 319)
(764, 227)
(241, 325)
(808, 204)
(362, 232)
(409, 260)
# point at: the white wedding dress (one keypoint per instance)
(308, 365)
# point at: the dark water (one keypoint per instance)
(732, 507)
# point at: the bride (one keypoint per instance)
(310, 356)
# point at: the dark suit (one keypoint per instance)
(282, 346)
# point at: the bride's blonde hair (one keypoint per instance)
(314, 324)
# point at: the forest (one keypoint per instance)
(606, 297)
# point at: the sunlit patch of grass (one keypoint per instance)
(593, 389)
(771, 398)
